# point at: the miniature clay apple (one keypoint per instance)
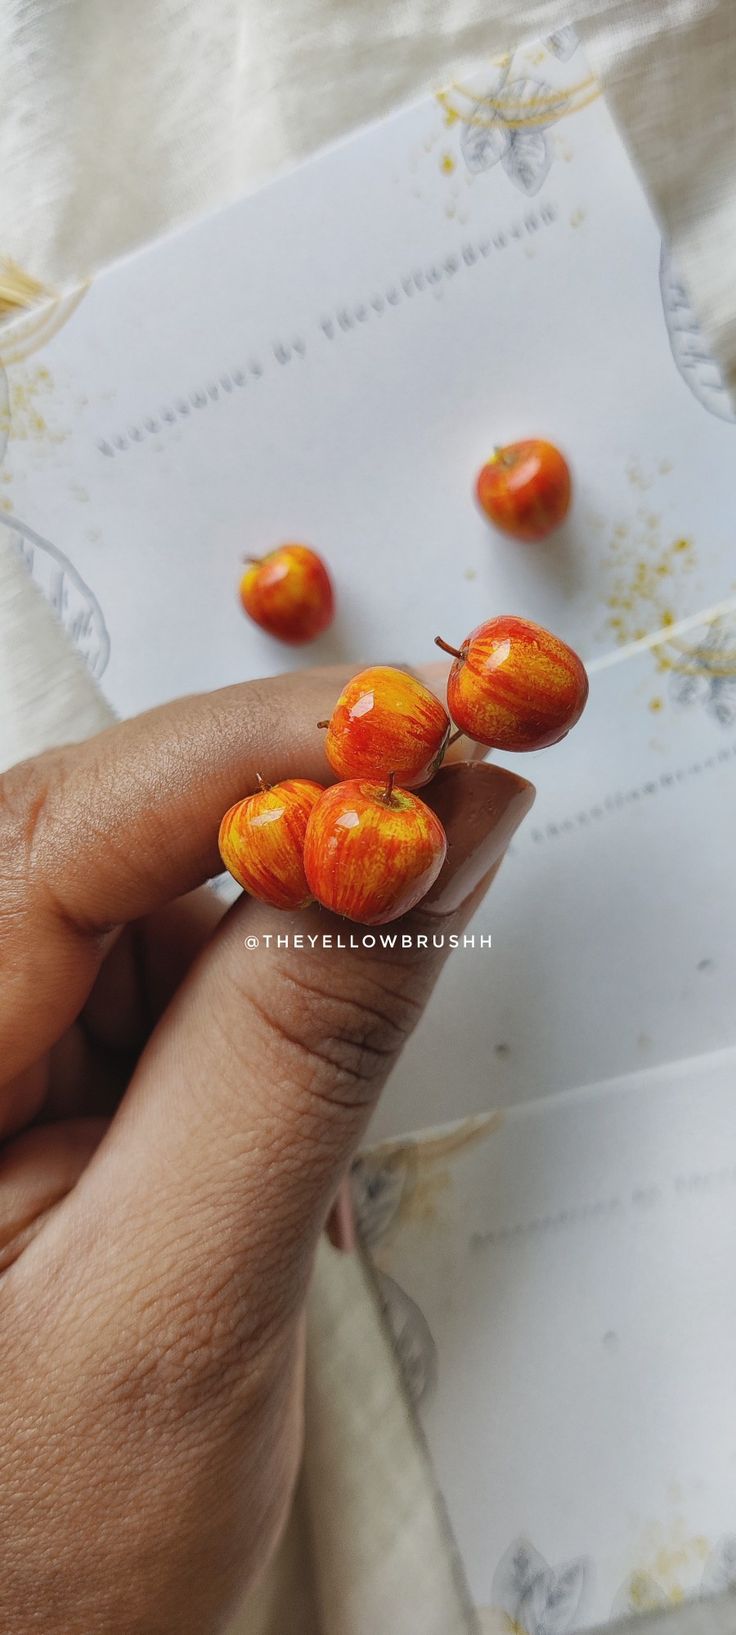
(289, 593)
(514, 685)
(261, 841)
(525, 489)
(387, 721)
(372, 851)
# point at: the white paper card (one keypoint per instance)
(560, 1288)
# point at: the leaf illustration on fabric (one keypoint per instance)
(4, 411)
(378, 1186)
(527, 159)
(74, 604)
(689, 347)
(563, 43)
(719, 1572)
(413, 1343)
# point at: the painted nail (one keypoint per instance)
(481, 807)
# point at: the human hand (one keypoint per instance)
(176, 1111)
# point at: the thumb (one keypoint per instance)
(258, 1082)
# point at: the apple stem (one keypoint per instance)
(388, 791)
(446, 648)
(255, 559)
(323, 724)
(453, 738)
(262, 785)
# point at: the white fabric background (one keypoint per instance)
(120, 119)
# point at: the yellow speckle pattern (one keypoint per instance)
(647, 577)
(25, 419)
(670, 1569)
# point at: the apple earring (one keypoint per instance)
(261, 841)
(372, 851)
(515, 686)
(386, 721)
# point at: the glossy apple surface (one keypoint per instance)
(515, 686)
(372, 856)
(289, 593)
(261, 842)
(525, 489)
(386, 721)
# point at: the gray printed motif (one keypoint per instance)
(378, 1187)
(689, 348)
(563, 43)
(75, 605)
(512, 129)
(719, 1572)
(538, 1599)
(708, 676)
(413, 1344)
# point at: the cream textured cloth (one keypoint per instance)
(118, 120)
(369, 1550)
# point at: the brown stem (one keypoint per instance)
(323, 724)
(254, 559)
(453, 738)
(446, 648)
(388, 791)
(262, 785)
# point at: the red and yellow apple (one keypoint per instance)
(386, 721)
(525, 489)
(372, 851)
(288, 593)
(514, 685)
(261, 841)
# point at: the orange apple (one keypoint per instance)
(288, 593)
(261, 841)
(514, 685)
(386, 721)
(525, 489)
(372, 851)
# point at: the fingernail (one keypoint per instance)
(481, 807)
(465, 749)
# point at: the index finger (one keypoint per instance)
(103, 832)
